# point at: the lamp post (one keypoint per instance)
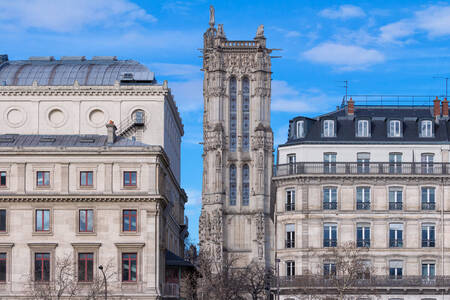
(106, 284)
(277, 261)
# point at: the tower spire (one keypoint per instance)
(212, 20)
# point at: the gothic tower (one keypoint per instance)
(236, 216)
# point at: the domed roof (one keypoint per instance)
(46, 71)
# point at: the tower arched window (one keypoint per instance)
(232, 185)
(245, 114)
(233, 114)
(245, 185)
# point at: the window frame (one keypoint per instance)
(393, 133)
(43, 173)
(396, 205)
(42, 267)
(232, 180)
(365, 241)
(130, 248)
(300, 124)
(290, 195)
(86, 183)
(123, 231)
(85, 266)
(289, 235)
(396, 276)
(330, 242)
(428, 205)
(427, 134)
(429, 241)
(365, 132)
(364, 204)
(396, 242)
(35, 219)
(5, 185)
(86, 217)
(330, 205)
(130, 183)
(6, 220)
(327, 130)
(245, 189)
(290, 268)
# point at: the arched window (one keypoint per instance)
(245, 114)
(138, 116)
(233, 114)
(245, 185)
(232, 185)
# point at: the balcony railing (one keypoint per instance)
(171, 290)
(290, 243)
(395, 205)
(329, 242)
(363, 243)
(428, 206)
(428, 243)
(290, 206)
(302, 168)
(318, 281)
(396, 243)
(330, 205)
(363, 205)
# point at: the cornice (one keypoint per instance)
(83, 198)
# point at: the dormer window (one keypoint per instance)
(300, 129)
(394, 128)
(426, 128)
(363, 128)
(328, 128)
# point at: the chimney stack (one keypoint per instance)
(351, 107)
(111, 131)
(437, 108)
(445, 108)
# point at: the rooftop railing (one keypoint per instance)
(385, 168)
(392, 100)
(318, 281)
(239, 44)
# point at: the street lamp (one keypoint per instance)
(106, 284)
(277, 261)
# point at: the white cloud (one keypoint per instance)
(68, 15)
(194, 197)
(344, 57)
(285, 98)
(179, 70)
(342, 12)
(394, 31)
(188, 94)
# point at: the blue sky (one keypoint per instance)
(380, 47)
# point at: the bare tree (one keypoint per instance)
(64, 283)
(96, 288)
(255, 279)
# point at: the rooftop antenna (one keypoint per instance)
(344, 100)
(446, 83)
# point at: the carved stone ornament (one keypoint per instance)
(211, 232)
(260, 233)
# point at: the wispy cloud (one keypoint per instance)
(342, 12)
(188, 94)
(177, 70)
(344, 57)
(69, 16)
(285, 98)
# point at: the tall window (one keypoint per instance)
(329, 270)
(328, 128)
(233, 114)
(395, 198)
(2, 220)
(394, 128)
(42, 178)
(290, 200)
(86, 178)
(86, 220)
(42, 266)
(427, 163)
(42, 220)
(363, 128)
(330, 197)
(428, 235)
(428, 270)
(300, 129)
(129, 220)
(395, 235)
(232, 185)
(363, 235)
(290, 235)
(395, 269)
(363, 160)
(129, 178)
(3, 178)
(290, 268)
(3, 261)
(245, 185)
(329, 162)
(428, 198)
(245, 114)
(395, 162)
(85, 267)
(426, 128)
(129, 266)
(329, 235)
(291, 158)
(363, 197)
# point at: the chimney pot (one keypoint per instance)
(111, 132)
(437, 108)
(351, 107)
(445, 108)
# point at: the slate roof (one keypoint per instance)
(379, 116)
(46, 71)
(174, 260)
(69, 140)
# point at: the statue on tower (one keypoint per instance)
(212, 20)
(260, 31)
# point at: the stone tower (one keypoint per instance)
(236, 216)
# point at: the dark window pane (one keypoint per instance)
(2, 266)
(82, 220)
(90, 220)
(2, 178)
(90, 270)
(81, 268)
(2, 220)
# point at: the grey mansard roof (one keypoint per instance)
(47, 71)
(65, 140)
(378, 116)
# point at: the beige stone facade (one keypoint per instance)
(61, 164)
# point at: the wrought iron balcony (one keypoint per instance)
(330, 205)
(374, 281)
(290, 243)
(396, 243)
(363, 205)
(363, 243)
(395, 205)
(329, 242)
(428, 206)
(384, 168)
(290, 206)
(428, 243)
